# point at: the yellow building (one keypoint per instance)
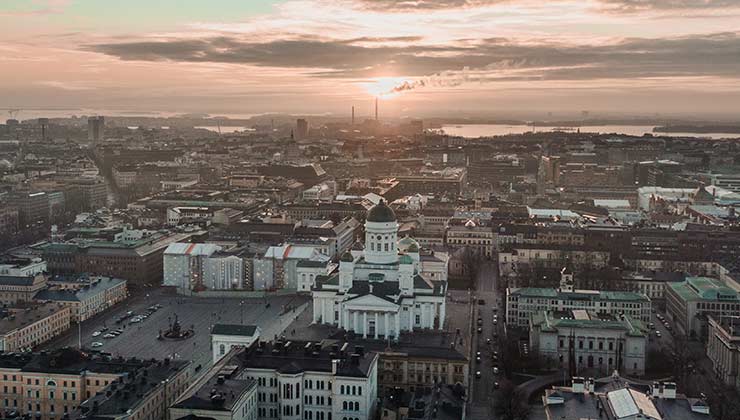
(24, 328)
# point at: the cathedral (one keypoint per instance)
(380, 292)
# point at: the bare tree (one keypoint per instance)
(509, 402)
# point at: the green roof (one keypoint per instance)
(539, 292)
(549, 323)
(703, 288)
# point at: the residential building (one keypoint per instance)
(14, 289)
(23, 328)
(226, 336)
(614, 398)
(377, 292)
(184, 215)
(689, 302)
(33, 207)
(472, 235)
(278, 267)
(220, 394)
(578, 339)
(99, 294)
(295, 378)
(723, 348)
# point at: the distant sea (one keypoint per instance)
(486, 130)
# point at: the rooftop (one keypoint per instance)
(16, 318)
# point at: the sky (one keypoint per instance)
(421, 57)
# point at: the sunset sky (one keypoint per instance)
(317, 56)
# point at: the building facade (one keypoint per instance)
(22, 329)
(377, 292)
(689, 302)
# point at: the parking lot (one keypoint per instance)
(140, 338)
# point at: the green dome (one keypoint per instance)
(405, 259)
(347, 257)
(408, 244)
(381, 213)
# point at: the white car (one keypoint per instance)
(96, 344)
(96, 333)
(135, 319)
(109, 335)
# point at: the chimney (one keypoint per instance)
(334, 366)
(578, 385)
(669, 390)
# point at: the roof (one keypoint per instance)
(627, 402)
(16, 280)
(539, 292)
(381, 213)
(180, 248)
(703, 288)
(234, 329)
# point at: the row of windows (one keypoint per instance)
(350, 390)
(350, 406)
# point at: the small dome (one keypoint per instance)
(347, 257)
(381, 213)
(408, 244)
(405, 259)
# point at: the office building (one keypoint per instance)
(96, 129)
(99, 294)
(689, 302)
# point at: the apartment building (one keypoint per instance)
(23, 328)
(99, 294)
(14, 289)
(723, 348)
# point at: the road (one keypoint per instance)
(482, 388)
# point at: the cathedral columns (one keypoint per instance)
(377, 325)
(398, 325)
(386, 326)
(364, 324)
(354, 321)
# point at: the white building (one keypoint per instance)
(177, 215)
(226, 336)
(379, 292)
(524, 303)
(584, 340)
(224, 271)
(183, 265)
(304, 380)
(220, 394)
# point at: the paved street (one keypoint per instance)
(201, 314)
(483, 387)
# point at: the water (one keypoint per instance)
(486, 130)
(225, 129)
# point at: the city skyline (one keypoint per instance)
(421, 57)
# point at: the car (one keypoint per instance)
(488, 341)
(668, 327)
(135, 319)
(477, 359)
(477, 353)
(480, 321)
(495, 370)
(495, 321)
(96, 333)
(130, 313)
(477, 374)
(96, 344)
(495, 385)
(657, 334)
(480, 330)
(494, 358)
(110, 335)
(104, 329)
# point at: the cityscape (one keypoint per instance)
(370, 210)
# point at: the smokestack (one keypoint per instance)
(376, 108)
(353, 115)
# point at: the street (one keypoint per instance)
(486, 299)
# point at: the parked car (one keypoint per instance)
(96, 333)
(110, 335)
(97, 344)
(477, 374)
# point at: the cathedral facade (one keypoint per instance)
(379, 292)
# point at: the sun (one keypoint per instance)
(382, 87)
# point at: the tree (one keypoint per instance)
(509, 402)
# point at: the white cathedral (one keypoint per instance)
(380, 291)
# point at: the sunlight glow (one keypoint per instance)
(383, 87)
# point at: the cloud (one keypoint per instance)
(68, 86)
(42, 8)
(483, 60)
(627, 6)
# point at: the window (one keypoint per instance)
(222, 349)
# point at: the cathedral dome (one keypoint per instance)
(381, 213)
